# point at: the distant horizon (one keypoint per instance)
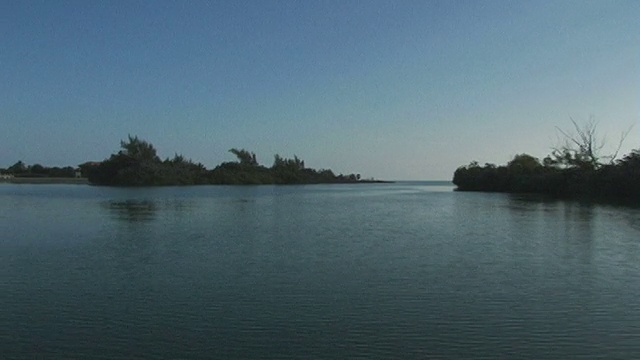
(230, 158)
(75, 166)
(388, 89)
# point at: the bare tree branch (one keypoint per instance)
(623, 137)
(583, 148)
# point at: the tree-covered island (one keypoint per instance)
(576, 169)
(137, 164)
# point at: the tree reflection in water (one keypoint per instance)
(133, 210)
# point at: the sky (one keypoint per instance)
(396, 90)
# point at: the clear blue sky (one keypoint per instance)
(388, 89)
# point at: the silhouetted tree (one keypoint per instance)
(17, 168)
(138, 150)
(137, 164)
(582, 147)
(245, 157)
(37, 169)
(522, 163)
(525, 174)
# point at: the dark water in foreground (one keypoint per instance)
(402, 270)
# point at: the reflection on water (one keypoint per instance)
(379, 271)
(132, 210)
(633, 219)
(570, 224)
(148, 210)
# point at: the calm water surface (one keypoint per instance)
(405, 270)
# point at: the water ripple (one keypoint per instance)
(318, 274)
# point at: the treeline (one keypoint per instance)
(137, 164)
(561, 178)
(575, 169)
(20, 169)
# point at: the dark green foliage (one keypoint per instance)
(38, 169)
(17, 168)
(233, 173)
(245, 157)
(291, 171)
(138, 150)
(65, 172)
(182, 171)
(20, 169)
(525, 174)
(88, 168)
(137, 164)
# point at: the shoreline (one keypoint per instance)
(85, 181)
(45, 180)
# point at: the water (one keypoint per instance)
(406, 270)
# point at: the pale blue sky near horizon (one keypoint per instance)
(398, 90)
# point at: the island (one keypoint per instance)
(137, 164)
(577, 168)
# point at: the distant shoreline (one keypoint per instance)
(45, 180)
(85, 181)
